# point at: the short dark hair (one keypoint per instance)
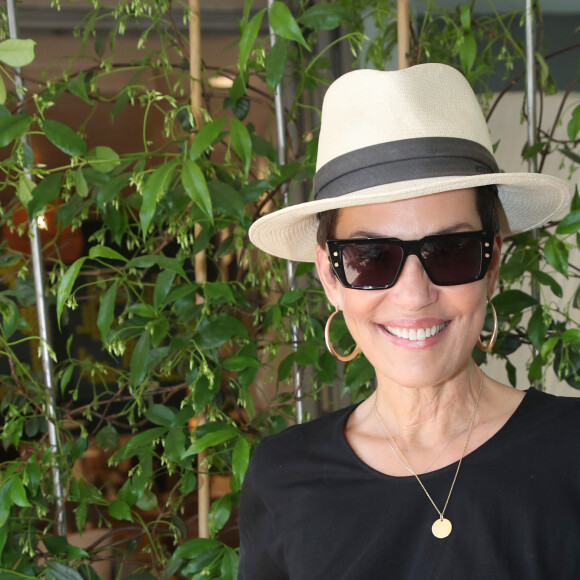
(486, 203)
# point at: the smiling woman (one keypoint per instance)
(442, 471)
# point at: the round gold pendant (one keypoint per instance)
(441, 528)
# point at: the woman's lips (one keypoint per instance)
(415, 334)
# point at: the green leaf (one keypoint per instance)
(140, 443)
(110, 190)
(219, 514)
(78, 87)
(192, 548)
(102, 159)
(574, 124)
(163, 286)
(359, 372)
(24, 190)
(218, 293)
(468, 52)
(147, 501)
(66, 377)
(535, 369)
(10, 316)
(13, 127)
(174, 444)
(44, 193)
(206, 137)
(17, 52)
(512, 302)
(108, 437)
(226, 199)
(571, 336)
(59, 571)
(323, 16)
(276, 62)
(547, 280)
(159, 330)
(18, 493)
(154, 190)
(163, 262)
(240, 363)
(218, 330)
(240, 460)
(307, 353)
(81, 183)
(195, 185)
(466, 17)
(160, 415)
(222, 432)
(548, 346)
(106, 252)
(64, 138)
(285, 366)
(139, 359)
(229, 566)
(204, 390)
(575, 203)
(120, 510)
(241, 142)
(3, 93)
(79, 446)
(107, 311)
(65, 286)
(556, 254)
(248, 38)
(291, 296)
(235, 103)
(284, 25)
(511, 372)
(570, 224)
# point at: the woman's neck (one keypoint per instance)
(428, 413)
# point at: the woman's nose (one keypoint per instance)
(413, 289)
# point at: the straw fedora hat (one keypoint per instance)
(388, 136)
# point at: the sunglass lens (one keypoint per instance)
(452, 260)
(371, 265)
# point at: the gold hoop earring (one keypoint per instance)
(487, 347)
(344, 358)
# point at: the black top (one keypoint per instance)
(312, 510)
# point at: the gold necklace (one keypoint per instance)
(428, 467)
(441, 527)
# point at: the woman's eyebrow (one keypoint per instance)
(463, 226)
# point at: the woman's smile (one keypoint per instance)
(415, 333)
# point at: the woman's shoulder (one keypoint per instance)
(555, 411)
(304, 439)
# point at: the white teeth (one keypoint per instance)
(416, 333)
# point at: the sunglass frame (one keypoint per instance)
(409, 247)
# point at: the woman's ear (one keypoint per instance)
(329, 281)
(493, 271)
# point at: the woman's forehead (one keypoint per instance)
(423, 215)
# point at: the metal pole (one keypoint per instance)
(290, 266)
(532, 124)
(530, 83)
(41, 312)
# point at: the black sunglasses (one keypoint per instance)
(375, 263)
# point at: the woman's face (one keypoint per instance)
(389, 325)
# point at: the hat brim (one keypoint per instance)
(529, 200)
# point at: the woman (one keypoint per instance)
(442, 472)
